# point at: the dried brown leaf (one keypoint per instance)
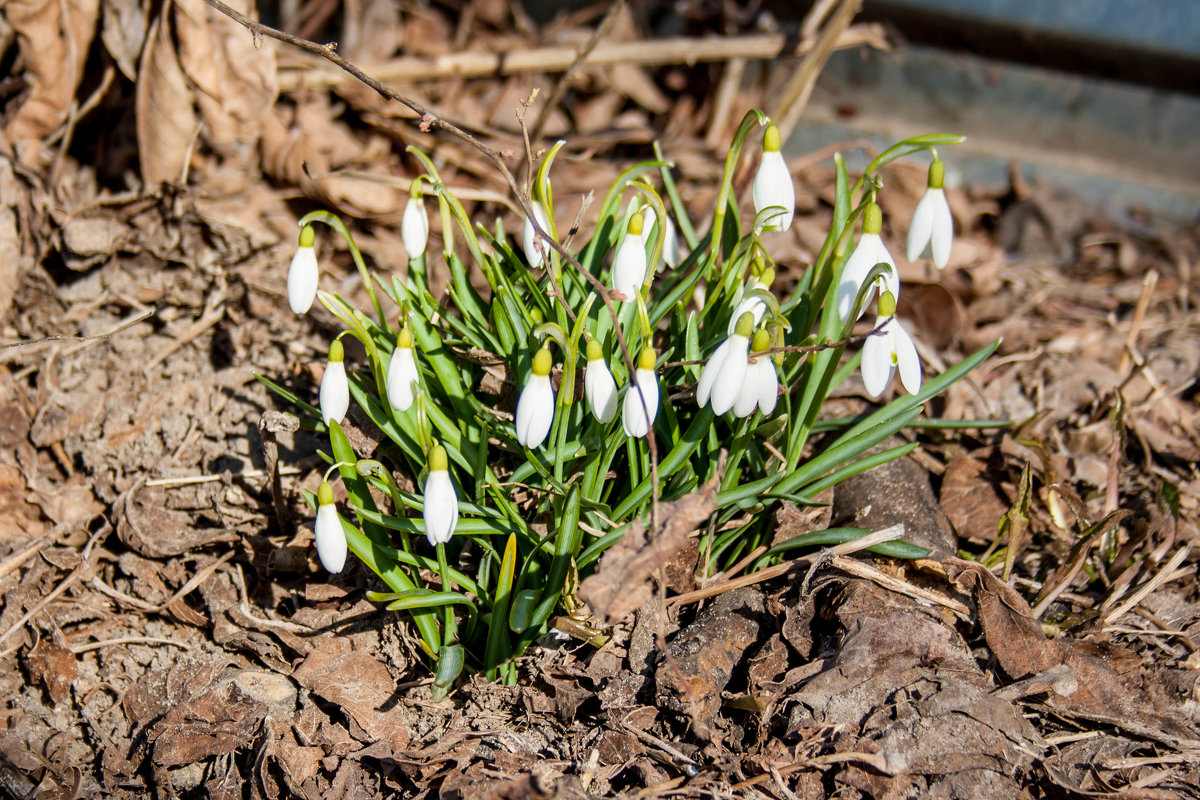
(124, 33)
(53, 666)
(360, 684)
(622, 583)
(166, 118)
(54, 39)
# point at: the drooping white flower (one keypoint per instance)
(869, 252)
(772, 187)
(303, 273)
(535, 406)
(414, 224)
(534, 254)
(629, 263)
(752, 304)
(599, 387)
(932, 226)
(891, 349)
(760, 387)
(723, 375)
(670, 253)
(331, 539)
(335, 388)
(640, 408)
(402, 374)
(441, 501)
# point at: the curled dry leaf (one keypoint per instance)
(200, 72)
(1100, 692)
(166, 120)
(54, 39)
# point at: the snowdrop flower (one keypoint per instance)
(773, 186)
(530, 239)
(932, 227)
(331, 539)
(750, 304)
(760, 387)
(441, 501)
(884, 352)
(870, 251)
(670, 253)
(335, 389)
(599, 387)
(629, 263)
(303, 274)
(723, 375)
(402, 373)
(636, 418)
(414, 224)
(535, 406)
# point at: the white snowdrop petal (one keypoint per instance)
(402, 379)
(747, 398)
(767, 385)
(600, 389)
(441, 507)
(629, 266)
(529, 238)
(853, 275)
(906, 358)
(303, 277)
(877, 367)
(773, 188)
(942, 234)
(921, 226)
(414, 228)
(331, 539)
(535, 411)
(670, 252)
(335, 392)
(728, 383)
(708, 376)
(634, 417)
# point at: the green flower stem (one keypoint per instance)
(376, 470)
(449, 626)
(685, 223)
(566, 546)
(752, 118)
(335, 222)
(496, 649)
(696, 432)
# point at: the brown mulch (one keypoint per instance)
(165, 632)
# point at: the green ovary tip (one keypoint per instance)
(542, 362)
(437, 459)
(772, 142)
(872, 219)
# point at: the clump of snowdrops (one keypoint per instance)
(637, 357)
